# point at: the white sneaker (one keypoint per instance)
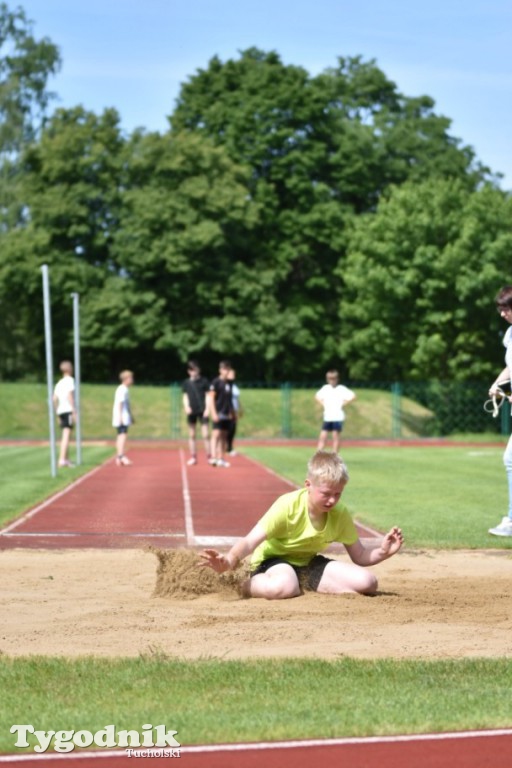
(192, 461)
(503, 529)
(222, 463)
(212, 462)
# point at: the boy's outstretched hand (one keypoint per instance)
(213, 559)
(392, 542)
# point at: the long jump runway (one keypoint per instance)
(159, 500)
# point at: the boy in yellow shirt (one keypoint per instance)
(286, 541)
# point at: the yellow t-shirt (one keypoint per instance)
(290, 532)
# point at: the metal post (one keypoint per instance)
(396, 412)
(49, 365)
(76, 337)
(286, 411)
(175, 411)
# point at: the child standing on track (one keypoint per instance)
(195, 390)
(64, 402)
(286, 541)
(333, 396)
(122, 416)
(221, 410)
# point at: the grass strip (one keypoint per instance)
(211, 701)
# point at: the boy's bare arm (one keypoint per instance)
(371, 555)
(246, 546)
(211, 405)
(186, 403)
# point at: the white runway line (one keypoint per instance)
(187, 504)
(216, 541)
(265, 745)
(95, 533)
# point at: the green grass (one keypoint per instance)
(268, 413)
(26, 477)
(441, 497)
(212, 701)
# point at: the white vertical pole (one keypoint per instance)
(49, 365)
(76, 336)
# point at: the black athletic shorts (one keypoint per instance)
(222, 424)
(66, 420)
(332, 426)
(309, 575)
(193, 418)
(122, 430)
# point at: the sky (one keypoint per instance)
(134, 54)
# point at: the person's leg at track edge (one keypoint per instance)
(505, 527)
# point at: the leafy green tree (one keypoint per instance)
(419, 283)
(68, 193)
(25, 66)
(321, 150)
(185, 218)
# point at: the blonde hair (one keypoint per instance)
(327, 467)
(66, 367)
(125, 375)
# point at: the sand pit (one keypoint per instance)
(114, 603)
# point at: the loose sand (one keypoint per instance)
(133, 602)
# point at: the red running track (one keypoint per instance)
(486, 749)
(158, 500)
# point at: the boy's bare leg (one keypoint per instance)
(215, 444)
(322, 440)
(192, 439)
(206, 439)
(335, 441)
(120, 443)
(64, 445)
(339, 578)
(278, 583)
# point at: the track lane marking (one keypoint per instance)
(187, 503)
(268, 745)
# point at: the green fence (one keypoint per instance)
(398, 410)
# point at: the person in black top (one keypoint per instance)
(221, 411)
(195, 403)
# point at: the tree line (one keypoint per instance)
(287, 221)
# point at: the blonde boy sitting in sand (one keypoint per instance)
(286, 541)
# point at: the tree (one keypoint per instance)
(25, 66)
(68, 197)
(185, 218)
(321, 150)
(419, 282)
